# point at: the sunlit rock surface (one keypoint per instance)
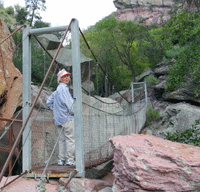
(143, 11)
(147, 163)
(10, 77)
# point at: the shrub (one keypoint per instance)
(175, 52)
(10, 10)
(151, 80)
(151, 116)
(190, 136)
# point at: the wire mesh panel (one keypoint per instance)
(105, 118)
(44, 136)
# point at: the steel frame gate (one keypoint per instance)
(76, 71)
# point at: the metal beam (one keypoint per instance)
(146, 95)
(76, 71)
(47, 30)
(26, 138)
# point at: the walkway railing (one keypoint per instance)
(103, 118)
(9, 135)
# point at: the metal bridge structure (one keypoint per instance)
(96, 119)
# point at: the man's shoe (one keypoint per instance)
(70, 162)
(60, 162)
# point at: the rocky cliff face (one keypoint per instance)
(145, 11)
(10, 77)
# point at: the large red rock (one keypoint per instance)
(148, 163)
(147, 16)
(148, 12)
(10, 77)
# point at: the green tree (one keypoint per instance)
(34, 6)
(21, 14)
(10, 10)
(1, 4)
(4, 14)
(17, 57)
(126, 46)
(40, 62)
(183, 33)
(137, 47)
(151, 45)
(123, 48)
(100, 38)
(41, 24)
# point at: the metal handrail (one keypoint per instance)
(10, 138)
(10, 120)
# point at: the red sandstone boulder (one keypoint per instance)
(147, 163)
(10, 77)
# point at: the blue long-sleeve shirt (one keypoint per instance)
(61, 101)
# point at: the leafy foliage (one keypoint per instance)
(4, 14)
(151, 116)
(41, 24)
(122, 46)
(190, 136)
(39, 59)
(34, 6)
(182, 34)
(21, 14)
(40, 64)
(151, 80)
(10, 10)
(17, 57)
(101, 39)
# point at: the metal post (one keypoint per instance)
(26, 154)
(44, 63)
(132, 96)
(132, 92)
(106, 82)
(145, 88)
(76, 69)
(10, 147)
(97, 75)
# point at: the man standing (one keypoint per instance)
(61, 102)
